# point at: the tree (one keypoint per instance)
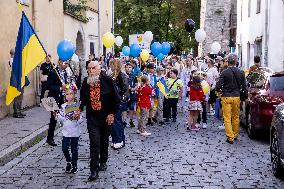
(165, 18)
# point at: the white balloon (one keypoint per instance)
(148, 36)
(118, 41)
(200, 35)
(75, 58)
(215, 47)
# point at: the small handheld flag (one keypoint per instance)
(163, 88)
(29, 52)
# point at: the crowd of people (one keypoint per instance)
(127, 92)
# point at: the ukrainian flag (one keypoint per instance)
(163, 88)
(29, 52)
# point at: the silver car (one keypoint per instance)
(277, 141)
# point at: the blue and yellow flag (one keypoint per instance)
(29, 52)
(163, 88)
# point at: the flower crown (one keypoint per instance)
(71, 86)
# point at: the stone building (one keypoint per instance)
(219, 20)
(52, 24)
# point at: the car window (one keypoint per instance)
(256, 79)
(276, 83)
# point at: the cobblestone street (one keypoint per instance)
(170, 158)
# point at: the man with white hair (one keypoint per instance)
(98, 96)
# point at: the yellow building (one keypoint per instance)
(52, 24)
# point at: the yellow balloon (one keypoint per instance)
(205, 87)
(144, 55)
(108, 40)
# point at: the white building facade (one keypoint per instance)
(260, 31)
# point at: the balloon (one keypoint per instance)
(161, 57)
(205, 87)
(166, 48)
(108, 40)
(65, 50)
(126, 51)
(135, 50)
(215, 47)
(75, 58)
(189, 25)
(148, 36)
(200, 35)
(156, 48)
(118, 41)
(144, 55)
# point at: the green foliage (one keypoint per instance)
(165, 18)
(77, 10)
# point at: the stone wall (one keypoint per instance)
(215, 20)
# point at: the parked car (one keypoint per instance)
(277, 141)
(266, 90)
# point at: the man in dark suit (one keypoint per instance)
(98, 95)
(56, 82)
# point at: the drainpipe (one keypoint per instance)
(36, 71)
(99, 23)
(266, 34)
(113, 22)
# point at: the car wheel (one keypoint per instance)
(275, 156)
(250, 128)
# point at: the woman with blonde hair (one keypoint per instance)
(121, 85)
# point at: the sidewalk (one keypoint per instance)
(17, 135)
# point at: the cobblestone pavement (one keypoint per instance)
(171, 158)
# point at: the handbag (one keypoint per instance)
(243, 93)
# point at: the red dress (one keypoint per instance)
(144, 96)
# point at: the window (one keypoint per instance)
(258, 46)
(248, 54)
(258, 6)
(92, 48)
(249, 7)
(276, 83)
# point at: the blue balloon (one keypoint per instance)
(65, 50)
(166, 48)
(126, 51)
(156, 48)
(135, 50)
(161, 57)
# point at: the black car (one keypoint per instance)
(277, 141)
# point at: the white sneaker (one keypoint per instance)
(118, 145)
(204, 126)
(138, 132)
(145, 133)
(197, 125)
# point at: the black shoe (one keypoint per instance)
(187, 128)
(162, 123)
(18, 116)
(22, 114)
(51, 143)
(174, 120)
(103, 167)
(235, 139)
(131, 123)
(68, 167)
(167, 120)
(230, 141)
(74, 170)
(94, 176)
(154, 120)
(149, 122)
